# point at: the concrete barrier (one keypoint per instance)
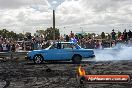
(11, 55)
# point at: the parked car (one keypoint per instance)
(60, 51)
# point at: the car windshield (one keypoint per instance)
(77, 46)
(48, 47)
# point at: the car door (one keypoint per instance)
(66, 51)
(54, 53)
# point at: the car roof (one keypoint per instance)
(66, 42)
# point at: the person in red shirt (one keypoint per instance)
(71, 34)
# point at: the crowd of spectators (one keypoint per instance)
(7, 45)
(34, 43)
(125, 36)
(99, 43)
(85, 42)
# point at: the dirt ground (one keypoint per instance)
(25, 74)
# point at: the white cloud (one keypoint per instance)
(96, 14)
(91, 15)
(25, 15)
(13, 4)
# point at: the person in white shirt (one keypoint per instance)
(4, 47)
(130, 42)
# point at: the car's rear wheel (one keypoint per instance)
(77, 59)
(38, 59)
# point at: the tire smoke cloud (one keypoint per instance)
(119, 52)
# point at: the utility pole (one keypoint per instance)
(54, 25)
(81, 29)
(24, 41)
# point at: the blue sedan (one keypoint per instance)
(60, 51)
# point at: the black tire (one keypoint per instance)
(38, 59)
(77, 59)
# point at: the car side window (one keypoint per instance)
(56, 46)
(68, 46)
(53, 46)
(73, 46)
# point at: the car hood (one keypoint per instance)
(43, 50)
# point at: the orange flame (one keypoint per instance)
(81, 71)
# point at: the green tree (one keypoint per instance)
(8, 34)
(20, 36)
(4, 33)
(49, 33)
(93, 34)
(11, 34)
(89, 35)
(40, 32)
(28, 35)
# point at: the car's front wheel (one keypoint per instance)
(38, 59)
(76, 59)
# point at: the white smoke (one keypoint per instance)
(117, 53)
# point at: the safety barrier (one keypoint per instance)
(20, 54)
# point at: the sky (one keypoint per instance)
(71, 15)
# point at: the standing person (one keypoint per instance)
(92, 44)
(13, 47)
(74, 40)
(39, 46)
(71, 34)
(113, 34)
(32, 45)
(8, 46)
(67, 38)
(43, 45)
(1, 49)
(97, 45)
(125, 35)
(47, 44)
(113, 44)
(4, 46)
(130, 42)
(17, 47)
(35, 44)
(129, 34)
